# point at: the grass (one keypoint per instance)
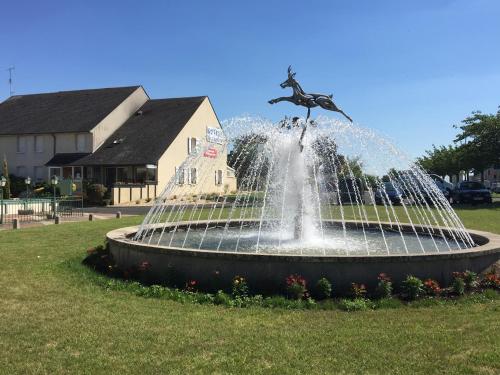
(55, 319)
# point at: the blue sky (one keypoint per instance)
(407, 69)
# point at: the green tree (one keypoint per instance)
(243, 157)
(5, 173)
(480, 137)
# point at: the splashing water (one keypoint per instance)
(348, 192)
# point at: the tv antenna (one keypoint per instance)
(11, 69)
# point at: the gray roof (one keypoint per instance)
(145, 137)
(59, 112)
(66, 158)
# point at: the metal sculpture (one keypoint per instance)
(300, 97)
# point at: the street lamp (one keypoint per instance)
(27, 181)
(54, 181)
(3, 182)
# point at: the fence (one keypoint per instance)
(38, 209)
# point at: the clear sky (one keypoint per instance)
(409, 69)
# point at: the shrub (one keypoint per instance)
(323, 288)
(458, 286)
(471, 279)
(412, 287)
(356, 304)
(95, 193)
(358, 290)
(490, 281)
(432, 288)
(296, 286)
(384, 286)
(222, 298)
(239, 287)
(388, 303)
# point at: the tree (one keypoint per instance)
(5, 173)
(244, 156)
(443, 160)
(480, 134)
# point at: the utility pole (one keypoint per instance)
(11, 69)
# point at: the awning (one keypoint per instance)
(65, 159)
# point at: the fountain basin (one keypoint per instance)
(266, 273)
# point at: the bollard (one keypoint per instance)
(16, 224)
(91, 217)
(118, 215)
(56, 220)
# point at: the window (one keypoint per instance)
(81, 142)
(54, 171)
(192, 176)
(218, 177)
(192, 145)
(21, 171)
(179, 176)
(38, 173)
(21, 144)
(38, 143)
(124, 174)
(77, 173)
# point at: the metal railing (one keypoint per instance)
(38, 209)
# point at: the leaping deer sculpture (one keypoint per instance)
(303, 99)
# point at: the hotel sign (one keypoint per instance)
(215, 135)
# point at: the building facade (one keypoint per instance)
(117, 137)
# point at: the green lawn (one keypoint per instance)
(54, 319)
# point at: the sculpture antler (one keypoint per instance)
(290, 74)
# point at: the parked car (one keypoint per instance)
(441, 183)
(495, 187)
(389, 192)
(471, 192)
(350, 190)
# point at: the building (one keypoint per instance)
(117, 137)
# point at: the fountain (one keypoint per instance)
(337, 201)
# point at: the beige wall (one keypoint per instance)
(117, 117)
(178, 151)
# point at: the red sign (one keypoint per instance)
(210, 152)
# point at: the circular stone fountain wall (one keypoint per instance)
(266, 273)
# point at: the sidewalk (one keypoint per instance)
(63, 220)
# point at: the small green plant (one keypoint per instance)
(358, 290)
(356, 304)
(458, 284)
(432, 288)
(384, 286)
(239, 287)
(222, 298)
(412, 287)
(323, 288)
(471, 280)
(296, 286)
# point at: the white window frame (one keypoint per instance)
(180, 178)
(52, 172)
(219, 177)
(192, 144)
(39, 146)
(193, 176)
